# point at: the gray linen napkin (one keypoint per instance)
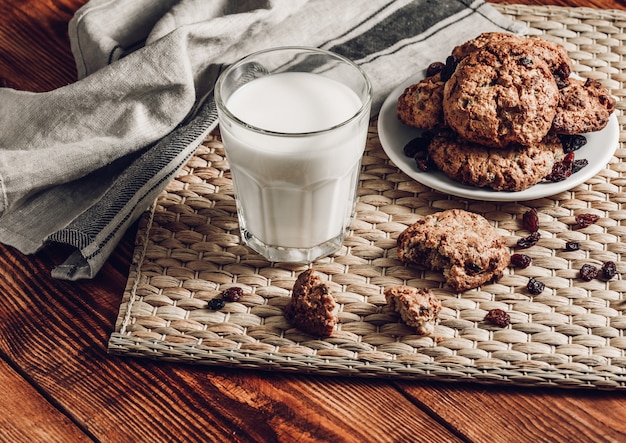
(79, 164)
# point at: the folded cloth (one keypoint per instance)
(80, 163)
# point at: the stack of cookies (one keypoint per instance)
(499, 111)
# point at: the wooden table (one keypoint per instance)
(59, 383)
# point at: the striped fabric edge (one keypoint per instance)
(97, 231)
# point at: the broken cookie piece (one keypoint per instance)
(312, 307)
(418, 308)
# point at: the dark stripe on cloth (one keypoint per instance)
(392, 29)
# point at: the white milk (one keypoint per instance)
(295, 191)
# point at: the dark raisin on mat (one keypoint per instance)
(530, 240)
(215, 304)
(449, 68)
(562, 170)
(498, 317)
(521, 260)
(572, 246)
(609, 270)
(434, 68)
(572, 142)
(534, 286)
(584, 220)
(232, 294)
(530, 220)
(579, 164)
(588, 272)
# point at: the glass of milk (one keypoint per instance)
(294, 123)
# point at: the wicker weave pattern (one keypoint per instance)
(572, 335)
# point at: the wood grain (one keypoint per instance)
(26, 414)
(61, 385)
(476, 409)
(36, 53)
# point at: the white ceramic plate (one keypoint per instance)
(394, 135)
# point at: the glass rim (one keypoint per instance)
(219, 102)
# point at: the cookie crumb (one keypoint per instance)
(418, 308)
(312, 307)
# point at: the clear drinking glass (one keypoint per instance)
(294, 124)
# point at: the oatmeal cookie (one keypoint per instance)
(312, 307)
(418, 308)
(486, 38)
(499, 95)
(462, 244)
(584, 106)
(554, 54)
(420, 105)
(513, 168)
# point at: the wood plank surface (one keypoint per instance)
(27, 415)
(61, 385)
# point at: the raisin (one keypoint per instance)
(588, 272)
(424, 165)
(216, 304)
(605, 101)
(561, 170)
(498, 317)
(584, 220)
(572, 142)
(434, 68)
(572, 246)
(534, 286)
(423, 161)
(449, 68)
(531, 240)
(561, 82)
(609, 270)
(418, 144)
(563, 71)
(521, 260)
(472, 268)
(232, 294)
(525, 61)
(579, 164)
(530, 220)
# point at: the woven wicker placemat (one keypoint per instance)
(572, 335)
